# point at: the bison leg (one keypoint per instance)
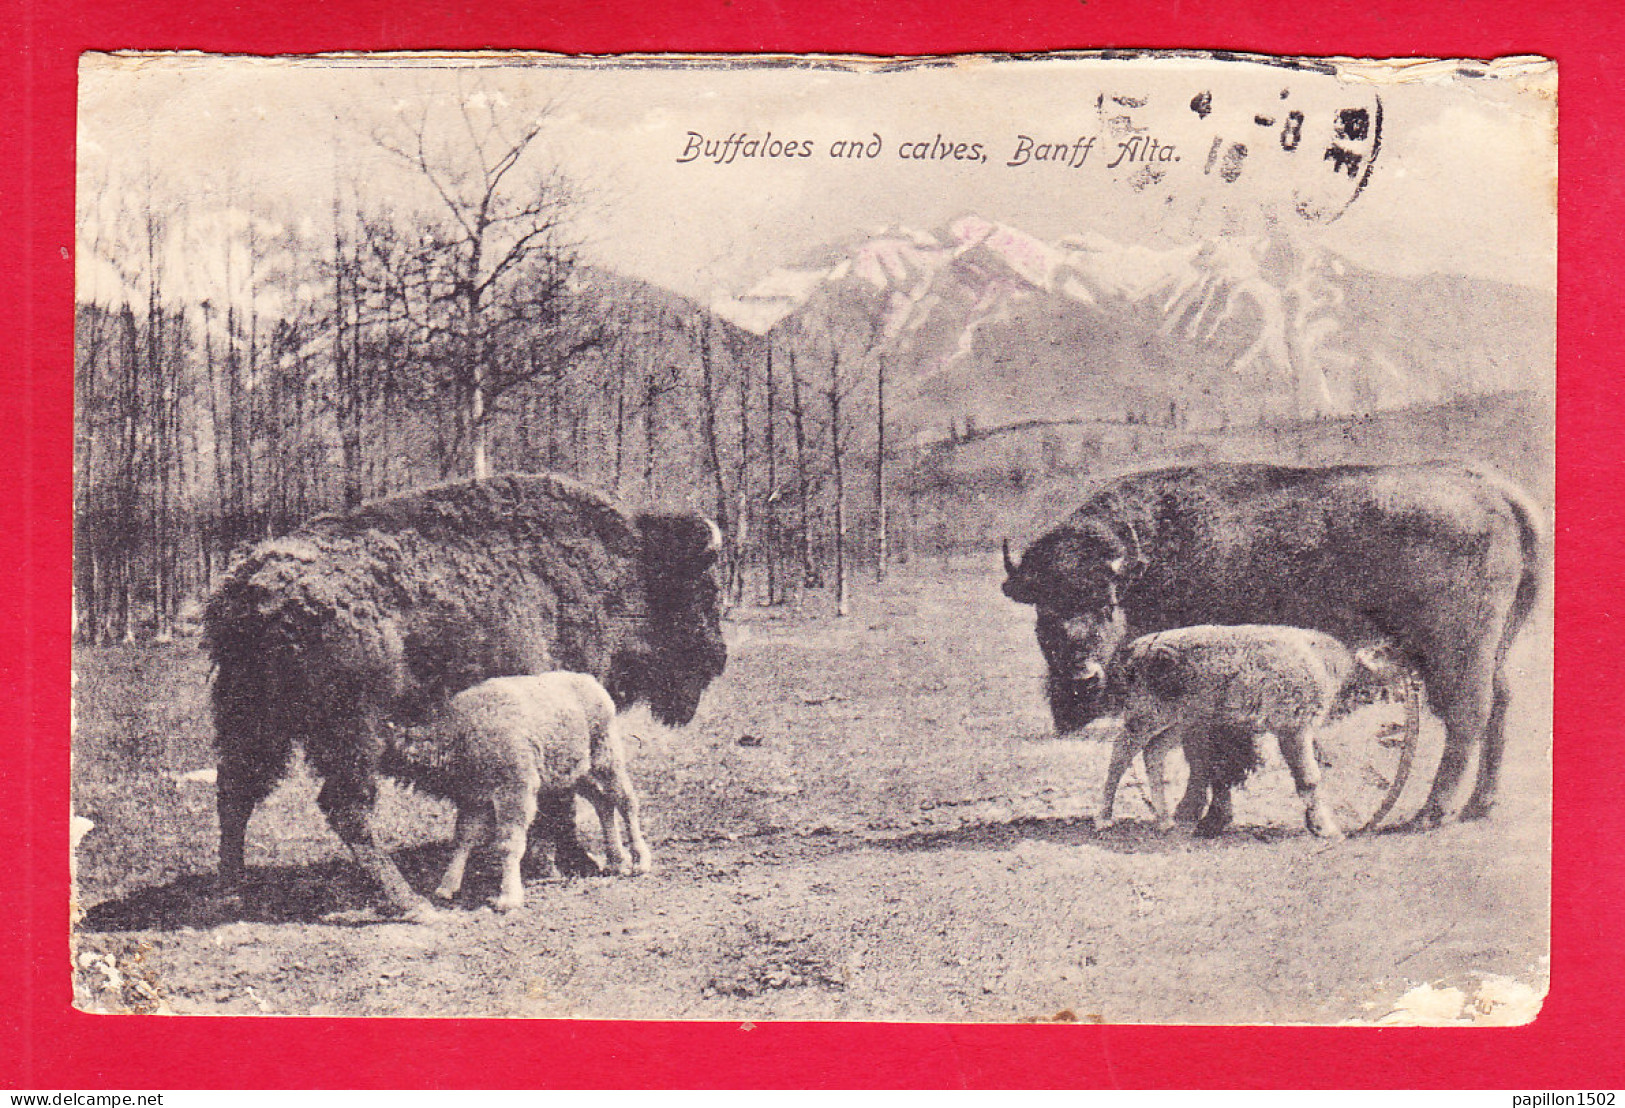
(1194, 803)
(246, 774)
(609, 794)
(1298, 750)
(473, 828)
(1219, 813)
(515, 806)
(345, 753)
(1130, 741)
(1466, 715)
(347, 760)
(1156, 777)
(1489, 757)
(349, 811)
(556, 824)
(1216, 751)
(625, 798)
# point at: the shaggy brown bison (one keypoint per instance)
(1216, 691)
(355, 625)
(1443, 560)
(494, 746)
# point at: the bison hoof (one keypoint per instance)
(445, 892)
(1166, 824)
(1475, 809)
(1322, 825)
(576, 865)
(1428, 819)
(420, 911)
(1104, 823)
(1210, 828)
(508, 903)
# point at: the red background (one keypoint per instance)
(45, 1044)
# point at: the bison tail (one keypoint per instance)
(1532, 536)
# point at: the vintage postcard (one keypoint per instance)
(998, 538)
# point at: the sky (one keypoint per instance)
(1457, 176)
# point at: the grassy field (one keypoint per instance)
(869, 819)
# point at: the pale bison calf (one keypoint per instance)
(1217, 690)
(501, 742)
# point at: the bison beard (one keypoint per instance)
(1443, 560)
(327, 638)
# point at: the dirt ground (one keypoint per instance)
(870, 819)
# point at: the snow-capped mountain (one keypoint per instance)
(979, 316)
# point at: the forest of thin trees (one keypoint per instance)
(330, 357)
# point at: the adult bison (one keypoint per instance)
(1443, 560)
(337, 636)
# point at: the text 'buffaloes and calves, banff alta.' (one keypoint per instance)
(1024, 150)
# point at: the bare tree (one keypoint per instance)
(839, 385)
(489, 279)
(742, 482)
(808, 571)
(662, 377)
(710, 434)
(347, 365)
(880, 469)
(770, 506)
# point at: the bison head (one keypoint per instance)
(681, 650)
(1074, 568)
(1073, 576)
(1079, 651)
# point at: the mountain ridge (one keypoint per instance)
(978, 316)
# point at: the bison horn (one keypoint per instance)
(1125, 563)
(714, 545)
(1009, 563)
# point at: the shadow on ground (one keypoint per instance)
(1124, 837)
(289, 894)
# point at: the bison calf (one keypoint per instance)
(498, 744)
(1216, 690)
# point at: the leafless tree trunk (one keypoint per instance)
(129, 482)
(155, 371)
(741, 533)
(216, 542)
(346, 362)
(710, 400)
(555, 421)
(250, 394)
(803, 486)
(771, 504)
(620, 418)
(838, 468)
(880, 469)
(659, 381)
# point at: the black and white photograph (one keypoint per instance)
(990, 538)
